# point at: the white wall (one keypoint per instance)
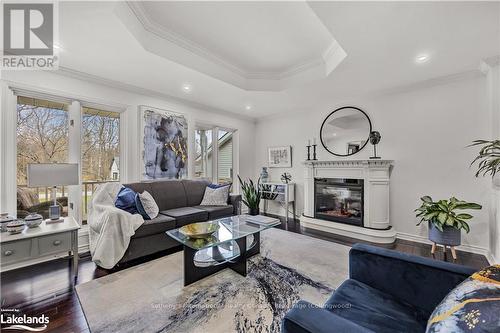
(492, 71)
(425, 131)
(83, 90)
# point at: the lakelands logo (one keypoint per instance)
(29, 31)
(10, 319)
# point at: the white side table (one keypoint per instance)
(44, 243)
(280, 192)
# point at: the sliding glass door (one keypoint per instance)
(100, 151)
(44, 135)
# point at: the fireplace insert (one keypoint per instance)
(339, 200)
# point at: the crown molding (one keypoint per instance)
(72, 73)
(487, 64)
(138, 10)
(222, 69)
(437, 81)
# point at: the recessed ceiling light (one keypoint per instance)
(421, 58)
(248, 107)
(187, 88)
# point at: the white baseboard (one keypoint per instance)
(464, 247)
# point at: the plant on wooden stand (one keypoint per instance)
(251, 195)
(445, 223)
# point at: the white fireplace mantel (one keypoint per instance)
(376, 177)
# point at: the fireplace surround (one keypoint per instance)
(349, 198)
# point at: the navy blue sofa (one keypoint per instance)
(387, 291)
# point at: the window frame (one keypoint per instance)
(215, 149)
(8, 147)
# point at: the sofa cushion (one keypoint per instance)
(146, 205)
(216, 212)
(375, 310)
(139, 187)
(159, 224)
(186, 215)
(194, 191)
(169, 194)
(216, 196)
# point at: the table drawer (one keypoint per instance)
(16, 251)
(54, 243)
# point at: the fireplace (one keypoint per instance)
(339, 200)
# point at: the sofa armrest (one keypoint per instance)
(305, 317)
(421, 282)
(235, 201)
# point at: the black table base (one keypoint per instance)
(193, 273)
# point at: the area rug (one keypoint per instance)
(151, 297)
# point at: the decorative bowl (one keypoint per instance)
(5, 219)
(199, 230)
(15, 227)
(33, 220)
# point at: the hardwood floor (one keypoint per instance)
(45, 288)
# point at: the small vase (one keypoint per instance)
(449, 236)
(253, 211)
(264, 175)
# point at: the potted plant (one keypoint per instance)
(251, 195)
(488, 157)
(445, 222)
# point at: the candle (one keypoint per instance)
(314, 141)
(309, 142)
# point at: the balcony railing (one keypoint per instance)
(88, 189)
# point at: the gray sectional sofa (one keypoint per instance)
(179, 203)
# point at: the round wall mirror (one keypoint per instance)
(345, 131)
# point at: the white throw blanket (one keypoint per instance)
(110, 228)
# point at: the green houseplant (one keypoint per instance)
(488, 158)
(251, 195)
(445, 220)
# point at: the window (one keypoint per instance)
(218, 169)
(225, 157)
(203, 159)
(42, 137)
(100, 150)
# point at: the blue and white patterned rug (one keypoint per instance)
(150, 297)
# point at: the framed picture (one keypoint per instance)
(164, 136)
(280, 157)
(354, 147)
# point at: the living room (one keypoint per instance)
(250, 166)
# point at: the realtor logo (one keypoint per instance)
(29, 31)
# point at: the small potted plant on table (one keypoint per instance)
(251, 195)
(445, 223)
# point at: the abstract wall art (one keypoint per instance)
(164, 144)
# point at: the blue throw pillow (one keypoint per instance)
(126, 200)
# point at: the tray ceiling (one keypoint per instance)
(252, 45)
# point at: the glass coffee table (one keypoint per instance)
(236, 240)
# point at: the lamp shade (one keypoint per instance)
(52, 174)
